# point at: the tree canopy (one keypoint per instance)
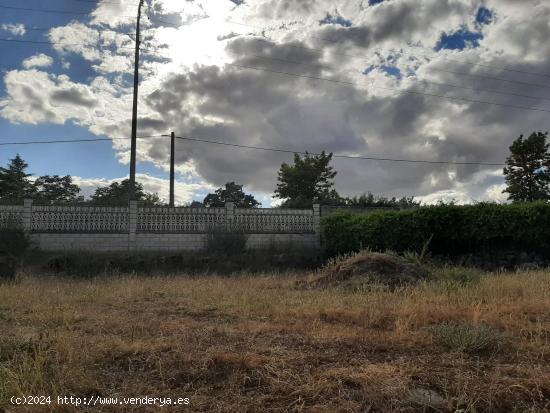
(527, 170)
(232, 192)
(308, 180)
(57, 189)
(370, 200)
(15, 183)
(117, 194)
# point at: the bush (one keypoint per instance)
(451, 229)
(13, 240)
(467, 338)
(222, 240)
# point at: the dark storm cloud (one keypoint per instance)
(74, 96)
(148, 123)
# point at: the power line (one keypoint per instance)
(73, 141)
(321, 51)
(392, 89)
(426, 81)
(500, 79)
(55, 11)
(104, 2)
(413, 79)
(470, 63)
(44, 42)
(370, 158)
(325, 39)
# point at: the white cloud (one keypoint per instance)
(38, 60)
(14, 29)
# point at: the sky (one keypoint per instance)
(435, 80)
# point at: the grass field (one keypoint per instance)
(259, 344)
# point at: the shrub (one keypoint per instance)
(13, 240)
(451, 229)
(467, 338)
(222, 240)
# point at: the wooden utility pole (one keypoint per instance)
(172, 163)
(134, 109)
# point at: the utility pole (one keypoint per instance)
(172, 154)
(134, 109)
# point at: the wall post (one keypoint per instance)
(27, 215)
(229, 215)
(317, 223)
(132, 224)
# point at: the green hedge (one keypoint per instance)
(453, 229)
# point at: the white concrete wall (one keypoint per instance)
(159, 242)
(81, 242)
(116, 228)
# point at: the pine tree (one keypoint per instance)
(527, 170)
(15, 184)
(309, 180)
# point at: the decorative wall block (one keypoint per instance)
(79, 219)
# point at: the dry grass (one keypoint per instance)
(258, 344)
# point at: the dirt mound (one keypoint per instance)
(370, 268)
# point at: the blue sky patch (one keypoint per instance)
(388, 69)
(373, 2)
(392, 71)
(484, 16)
(330, 19)
(80, 159)
(459, 40)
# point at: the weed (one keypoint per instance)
(467, 338)
(455, 275)
(226, 241)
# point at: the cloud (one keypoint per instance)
(36, 97)
(38, 60)
(219, 79)
(14, 29)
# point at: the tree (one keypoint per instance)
(231, 193)
(527, 170)
(194, 204)
(14, 181)
(369, 200)
(309, 179)
(57, 189)
(117, 194)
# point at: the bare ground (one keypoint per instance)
(259, 344)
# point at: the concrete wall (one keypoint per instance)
(159, 242)
(81, 242)
(118, 229)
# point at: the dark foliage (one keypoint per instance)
(116, 194)
(56, 189)
(308, 180)
(231, 193)
(451, 229)
(14, 180)
(226, 241)
(370, 200)
(527, 170)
